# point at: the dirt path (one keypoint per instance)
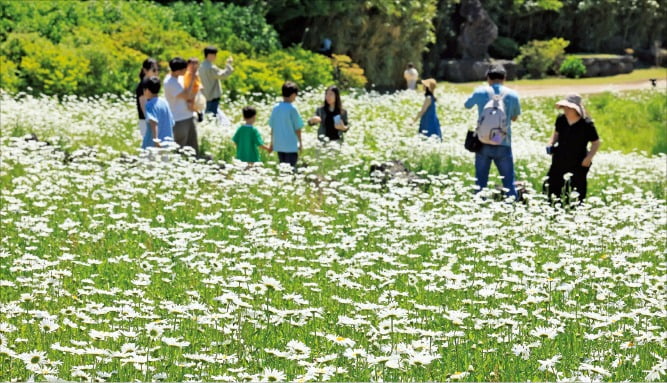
(561, 90)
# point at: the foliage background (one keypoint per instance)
(95, 47)
(91, 48)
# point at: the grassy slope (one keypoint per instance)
(634, 122)
(637, 75)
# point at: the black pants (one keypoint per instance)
(288, 158)
(556, 187)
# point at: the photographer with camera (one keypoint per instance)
(571, 160)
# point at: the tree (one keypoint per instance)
(383, 36)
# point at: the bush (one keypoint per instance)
(48, 68)
(85, 48)
(98, 47)
(543, 57)
(251, 76)
(112, 65)
(232, 27)
(572, 67)
(9, 79)
(268, 73)
(504, 48)
(347, 73)
(317, 69)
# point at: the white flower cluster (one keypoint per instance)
(120, 268)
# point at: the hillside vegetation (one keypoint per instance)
(91, 48)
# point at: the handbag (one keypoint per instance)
(472, 143)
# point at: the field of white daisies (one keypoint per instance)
(117, 265)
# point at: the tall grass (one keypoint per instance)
(628, 121)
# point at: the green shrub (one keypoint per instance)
(347, 73)
(250, 76)
(9, 79)
(542, 57)
(229, 26)
(267, 74)
(112, 65)
(86, 48)
(504, 48)
(49, 68)
(97, 47)
(317, 69)
(572, 67)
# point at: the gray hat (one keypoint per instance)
(496, 69)
(573, 101)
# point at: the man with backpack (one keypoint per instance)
(497, 107)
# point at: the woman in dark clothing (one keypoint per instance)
(331, 116)
(148, 69)
(568, 146)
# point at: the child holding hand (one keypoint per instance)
(247, 138)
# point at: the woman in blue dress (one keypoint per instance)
(429, 125)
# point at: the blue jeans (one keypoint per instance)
(212, 106)
(502, 157)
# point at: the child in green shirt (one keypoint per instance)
(247, 138)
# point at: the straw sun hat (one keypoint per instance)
(430, 84)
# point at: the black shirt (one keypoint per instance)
(573, 141)
(139, 92)
(327, 127)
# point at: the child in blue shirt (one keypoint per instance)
(158, 116)
(286, 124)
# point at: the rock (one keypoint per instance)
(653, 56)
(478, 31)
(392, 170)
(473, 70)
(608, 66)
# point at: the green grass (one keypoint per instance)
(636, 76)
(634, 122)
(594, 55)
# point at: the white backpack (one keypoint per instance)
(491, 127)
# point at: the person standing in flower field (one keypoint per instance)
(498, 149)
(571, 160)
(331, 116)
(158, 115)
(210, 76)
(247, 138)
(429, 125)
(185, 130)
(286, 124)
(149, 68)
(411, 76)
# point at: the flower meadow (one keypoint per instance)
(118, 265)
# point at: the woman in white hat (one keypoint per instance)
(571, 158)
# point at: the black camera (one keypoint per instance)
(550, 149)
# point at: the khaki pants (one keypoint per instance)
(185, 134)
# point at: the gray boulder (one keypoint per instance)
(478, 31)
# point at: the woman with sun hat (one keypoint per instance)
(429, 125)
(571, 159)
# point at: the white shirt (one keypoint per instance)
(173, 86)
(411, 74)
